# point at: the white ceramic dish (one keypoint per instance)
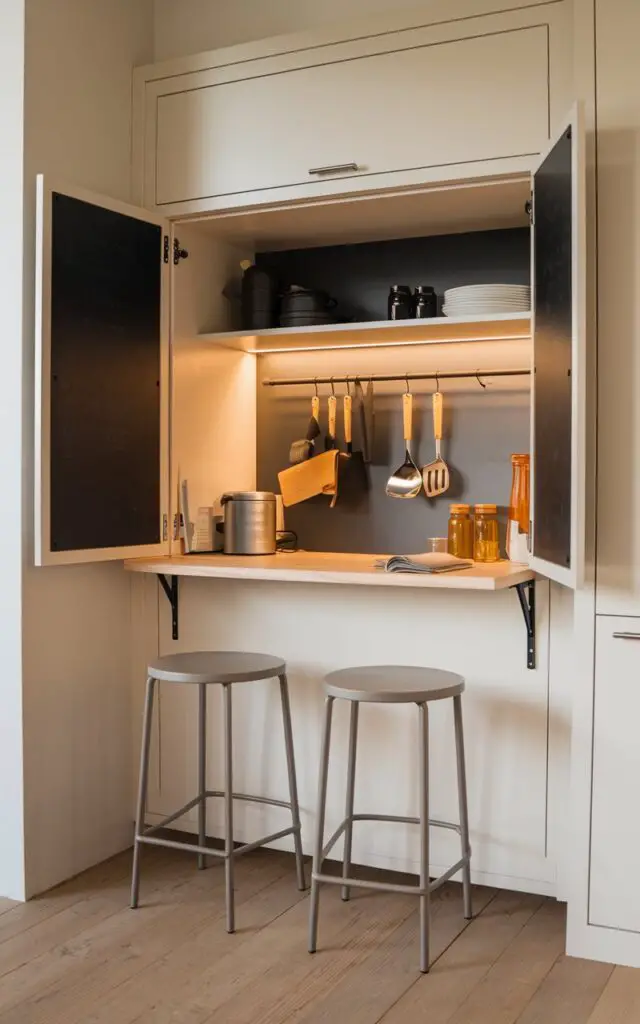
(494, 289)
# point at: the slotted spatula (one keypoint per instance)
(435, 476)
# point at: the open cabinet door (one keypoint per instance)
(102, 379)
(559, 356)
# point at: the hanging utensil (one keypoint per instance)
(370, 423)
(354, 480)
(360, 417)
(332, 404)
(435, 475)
(304, 449)
(406, 482)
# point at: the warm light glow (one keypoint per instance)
(385, 344)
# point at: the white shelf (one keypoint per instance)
(439, 330)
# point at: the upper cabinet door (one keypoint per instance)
(454, 102)
(559, 385)
(101, 404)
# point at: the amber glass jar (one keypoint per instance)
(486, 541)
(460, 531)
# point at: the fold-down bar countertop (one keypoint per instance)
(325, 567)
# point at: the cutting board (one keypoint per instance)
(318, 475)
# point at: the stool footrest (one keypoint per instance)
(174, 844)
(394, 818)
(408, 890)
(150, 829)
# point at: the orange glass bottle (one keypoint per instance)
(519, 502)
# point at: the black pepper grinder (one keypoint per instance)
(425, 302)
(401, 305)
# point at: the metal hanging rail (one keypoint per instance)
(405, 377)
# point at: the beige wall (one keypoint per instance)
(76, 620)
(195, 25)
(192, 26)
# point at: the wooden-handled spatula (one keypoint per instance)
(435, 476)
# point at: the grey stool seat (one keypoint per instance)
(216, 667)
(201, 669)
(389, 684)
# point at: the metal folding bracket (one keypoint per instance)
(170, 587)
(527, 597)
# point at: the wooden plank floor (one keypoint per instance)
(78, 955)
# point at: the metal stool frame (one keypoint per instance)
(145, 835)
(425, 887)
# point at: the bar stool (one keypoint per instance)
(202, 669)
(389, 684)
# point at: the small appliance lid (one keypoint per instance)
(247, 496)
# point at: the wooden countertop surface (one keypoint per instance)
(325, 567)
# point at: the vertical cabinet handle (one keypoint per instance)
(333, 168)
(626, 636)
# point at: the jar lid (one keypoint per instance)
(425, 289)
(520, 460)
(459, 509)
(247, 496)
(489, 509)
(404, 289)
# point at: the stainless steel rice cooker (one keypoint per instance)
(249, 523)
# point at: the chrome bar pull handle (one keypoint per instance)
(626, 636)
(333, 169)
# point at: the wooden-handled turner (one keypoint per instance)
(435, 476)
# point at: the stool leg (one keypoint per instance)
(202, 772)
(142, 789)
(317, 847)
(462, 802)
(424, 837)
(351, 783)
(293, 786)
(228, 807)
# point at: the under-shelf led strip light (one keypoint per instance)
(382, 344)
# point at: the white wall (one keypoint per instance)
(77, 714)
(11, 130)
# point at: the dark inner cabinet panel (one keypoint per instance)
(552, 348)
(105, 378)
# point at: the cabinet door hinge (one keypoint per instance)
(178, 252)
(528, 209)
(165, 249)
(165, 527)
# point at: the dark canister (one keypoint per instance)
(258, 297)
(400, 302)
(425, 301)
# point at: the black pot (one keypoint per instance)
(310, 301)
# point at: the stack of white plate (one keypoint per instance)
(482, 299)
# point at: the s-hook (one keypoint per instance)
(315, 384)
(482, 385)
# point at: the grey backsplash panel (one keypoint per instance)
(482, 427)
